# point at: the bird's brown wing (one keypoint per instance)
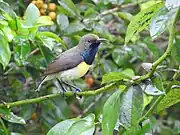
(67, 60)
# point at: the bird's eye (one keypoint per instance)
(89, 41)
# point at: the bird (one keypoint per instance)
(73, 63)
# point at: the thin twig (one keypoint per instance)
(109, 11)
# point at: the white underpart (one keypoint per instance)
(67, 75)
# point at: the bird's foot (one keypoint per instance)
(75, 93)
(77, 90)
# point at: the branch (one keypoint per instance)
(156, 63)
(69, 93)
(166, 54)
(110, 11)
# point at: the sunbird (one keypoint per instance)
(73, 63)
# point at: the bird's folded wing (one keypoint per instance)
(65, 61)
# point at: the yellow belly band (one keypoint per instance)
(83, 68)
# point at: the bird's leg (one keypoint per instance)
(70, 85)
(60, 83)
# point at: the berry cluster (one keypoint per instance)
(46, 9)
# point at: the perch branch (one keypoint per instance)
(69, 93)
(156, 63)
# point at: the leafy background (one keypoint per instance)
(28, 42)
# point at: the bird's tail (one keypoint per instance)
(41, 82)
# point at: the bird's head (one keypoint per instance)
(88, 46)
(90, 41)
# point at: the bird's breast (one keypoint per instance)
(76, 72)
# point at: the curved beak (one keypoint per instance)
(100, 40)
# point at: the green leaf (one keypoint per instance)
(4, 23)
(4, 7)
(45, 53)
(21, 52)
(161, 21)
(4, 111)
(129, 72)
(5, 53)
(110, 114)
(9, 34)
(141, 21)
(125, 15)
(146, 4)
(62, 21)
(158, 82)
(114, 76)
(54, 36)
(172, 4)
(64, 11)
(70, 7)
(25, 50)
(147, 99)
(74, 27)
(131, 107)
(151, 89)
(43, 21)
(120, 56)
(171, 98)
(153, 48)
(106, 66)
(90, 12)
(62, 127)
(24, 32)
(48, 42)
(31, 15)
(14, 119)
(85, 126)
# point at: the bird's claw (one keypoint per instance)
(75, 93)
(77, 90)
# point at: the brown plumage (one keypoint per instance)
(67, 60)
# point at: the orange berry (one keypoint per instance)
(45, 6)
(42, 11)
(89, 86)
(89, 81)
(52, 6)
(52, 15)
(39, 3)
